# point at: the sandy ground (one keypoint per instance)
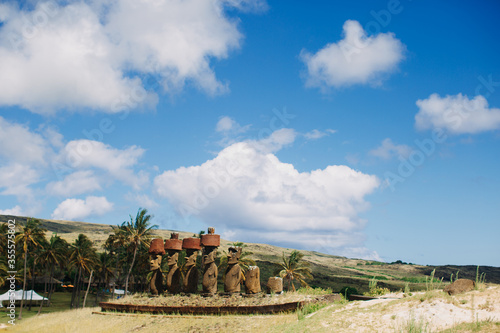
(434, 311)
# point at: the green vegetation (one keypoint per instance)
(414, 325)
(477, 326)
(310, 308)
(294, 269)
(60, 302)
(374, 290)
(480, 278)
(432, 283)
(29, 236)
(135, 233)
(348, 291)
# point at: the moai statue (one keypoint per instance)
(210, 242)
(275, 285)
(156, 250)
(190, 282)
(173, 246)
(233, 271)
(252, 280)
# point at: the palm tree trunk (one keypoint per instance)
(130, 270)
(24, 286)
(51, 288)
(78, 284)
(73, 293)
(97, 292)
(44, 294)
(117, 274)
(32, 284)
(88, 287)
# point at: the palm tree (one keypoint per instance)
(137, 232)
(293, 269)
(83, 257)
(29, 235)
(104, 272)
(3, 270)
(53, 254)
(3, 235)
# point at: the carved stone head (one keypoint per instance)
(173, 257)
(209, 254)
(154, 262)
(233, 255)
(191, 256)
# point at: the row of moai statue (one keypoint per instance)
(189, 284)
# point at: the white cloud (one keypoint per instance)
(250, 192)
(457, 114)
(142, 200)
(67, 62)
(16, 210)
(388, 149)
(277, 140)
(317, 134)
(84, 154)
(19, 144)
(16, 179)
(356, 59)
(80, 55)
(226, 124)
(76, 183)
(72, 209)
(230, 130)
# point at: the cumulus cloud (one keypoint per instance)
(229, 125)
(317, 134)
(457, 114)
(230, 130)
(276, 141)
(29, 163)
(80, 55)
(19, 144)
(15, 179)
(84, 154)
(356, 59)
(142, 200)
(389, 149)
(250, 192)
(72, 209)
(76, 183)
(16, 210)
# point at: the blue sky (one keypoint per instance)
(368, 129)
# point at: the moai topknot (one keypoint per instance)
(233, 271)
(173, 246)
(252, 280)
(190, 282)
(210, 242)
(156, 250)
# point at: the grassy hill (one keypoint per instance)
(329, 271)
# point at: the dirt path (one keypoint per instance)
(433, 311)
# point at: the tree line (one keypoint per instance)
(125, 259)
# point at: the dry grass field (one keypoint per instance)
(433, 311)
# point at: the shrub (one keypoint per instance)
(347, 291)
